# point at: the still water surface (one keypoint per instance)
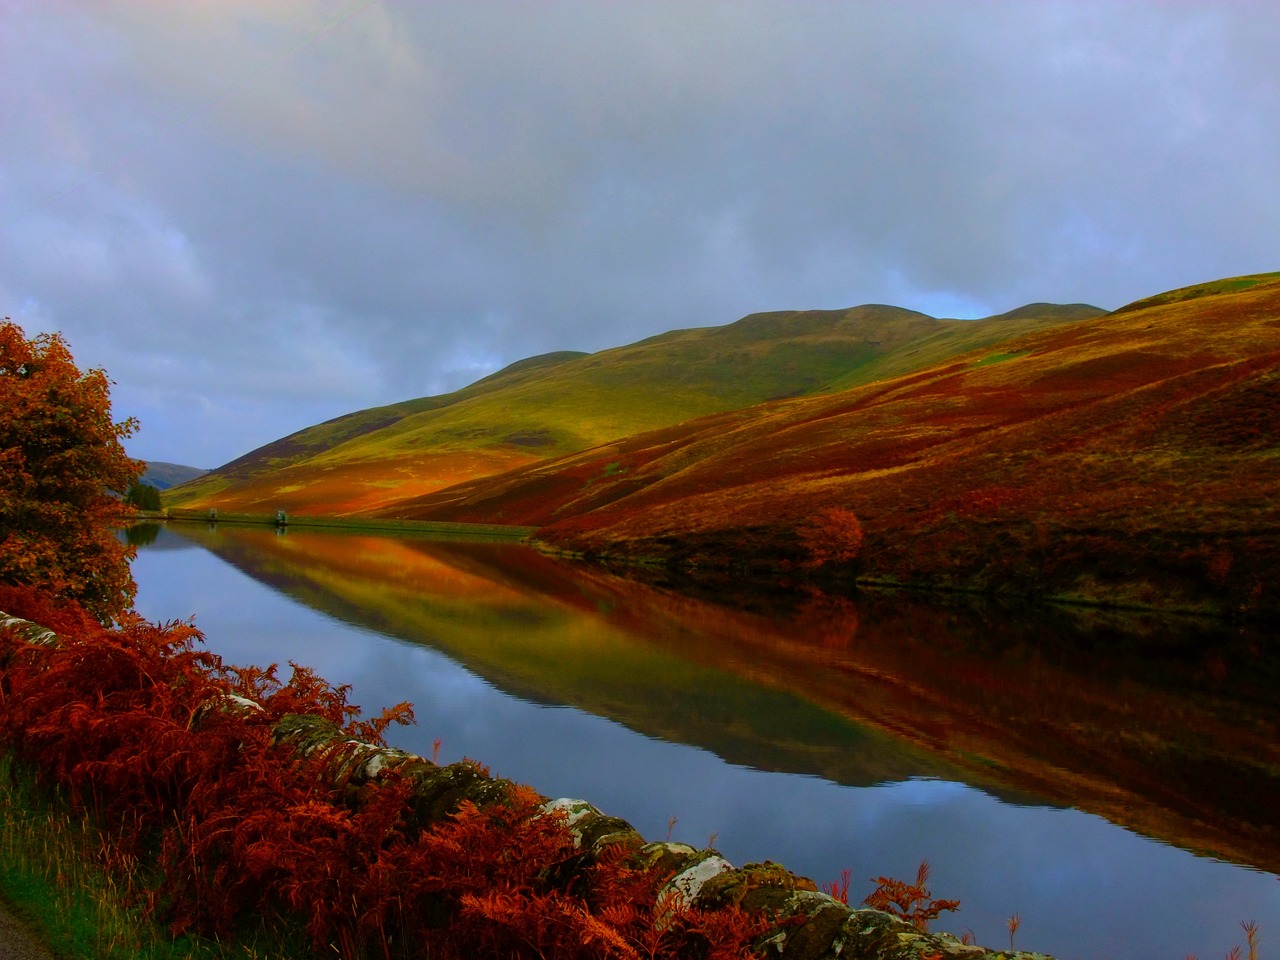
(1121, 800)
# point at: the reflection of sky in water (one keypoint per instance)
(1083, 887)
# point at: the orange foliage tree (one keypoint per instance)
(833, 535)
(62, 471)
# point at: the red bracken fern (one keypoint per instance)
(840, 888)
(175, 754)
(909, 901)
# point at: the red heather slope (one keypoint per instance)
(1132, 458)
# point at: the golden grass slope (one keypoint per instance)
(1131, 458)
(561, 403)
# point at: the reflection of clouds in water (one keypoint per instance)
(164, 596)
(1084, 887)
(244, 621)
(925, 792)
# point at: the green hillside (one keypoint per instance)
(560, 403)
(960, 336)
(1198, 290)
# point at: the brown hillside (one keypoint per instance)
(1132, 458)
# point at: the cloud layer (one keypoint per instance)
(257, 216)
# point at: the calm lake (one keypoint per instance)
(1114, 783)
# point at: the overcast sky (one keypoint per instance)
(259, 215)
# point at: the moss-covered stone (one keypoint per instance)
(230, 704)
(437, 793)
(668, 857)
(32, 633)
(756, 886)
(305, 733)
(592, 830)
(810, 928)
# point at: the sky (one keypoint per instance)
(258, 216)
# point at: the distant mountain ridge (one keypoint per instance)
(163, 475)
(560, 403)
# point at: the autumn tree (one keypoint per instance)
(831, 536)
(63, 472)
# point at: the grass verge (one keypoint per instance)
(51, 873)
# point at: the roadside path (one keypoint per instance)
(17, 942)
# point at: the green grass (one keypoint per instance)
(1000, 358)
(465, 531)
(51, 872)
(1198, 290)
(953, 338)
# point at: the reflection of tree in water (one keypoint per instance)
(141, 534)
(830, 622)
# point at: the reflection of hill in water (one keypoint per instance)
(513, 617)
(1168, 729)
(154, 536)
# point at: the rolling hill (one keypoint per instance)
(1129, 458)
(561, 403)
(162, 475)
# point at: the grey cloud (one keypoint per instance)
(274, 213)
